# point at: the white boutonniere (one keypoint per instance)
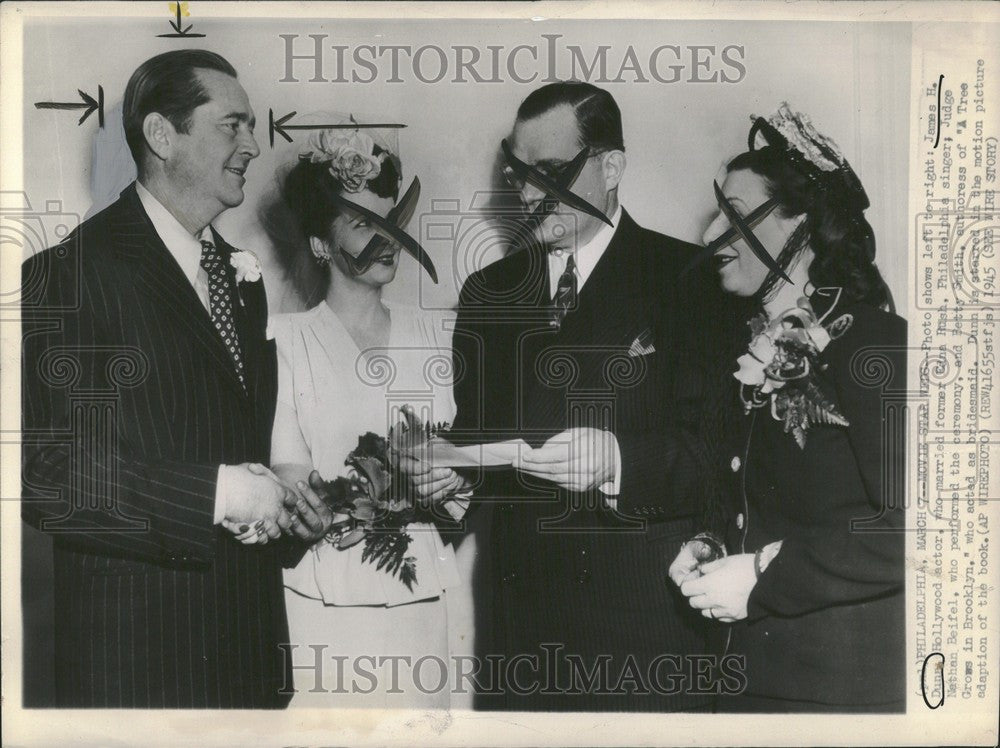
(247, 266)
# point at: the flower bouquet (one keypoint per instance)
(375, 501)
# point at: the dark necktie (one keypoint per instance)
(220, 303)
(565, 298)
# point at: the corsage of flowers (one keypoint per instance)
(780, 364)
(350, 154)
(375, 501)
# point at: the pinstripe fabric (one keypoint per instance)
(563, 568)
(130, 403)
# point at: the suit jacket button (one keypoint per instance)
(583, 577)
(510, 578)
(734, 465)
(739, 521)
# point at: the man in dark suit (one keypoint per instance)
(148, 395)
(577, 345)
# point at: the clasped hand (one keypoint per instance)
(260, 506)
(719, 589)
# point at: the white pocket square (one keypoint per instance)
(643, 344)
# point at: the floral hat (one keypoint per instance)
(349, 147)
(350, 152)
(813, 153)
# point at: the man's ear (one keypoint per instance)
(613, 166)
(160, 135)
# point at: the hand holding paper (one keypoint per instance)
(433, 484)
(440, 453)
(577, 459)
(430, 465)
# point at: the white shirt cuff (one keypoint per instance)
(220, 496)
(613, 487)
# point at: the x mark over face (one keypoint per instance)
(740, 227)
(388, 230)
(556, 185)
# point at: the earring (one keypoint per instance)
(323, 260)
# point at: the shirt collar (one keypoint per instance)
(587, 256)
(185, 248)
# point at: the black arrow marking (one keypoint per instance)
(176, 26)
(89, 104)
(279, 126)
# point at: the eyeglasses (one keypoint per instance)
(558, 189)
(555, 171)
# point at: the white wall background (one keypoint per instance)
(852, 79)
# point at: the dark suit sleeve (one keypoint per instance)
(465, 363)
(675, 468)
(662, 468)
(842, 561)
(105, 496)
(467, 355)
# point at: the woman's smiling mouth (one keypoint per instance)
(722, 260)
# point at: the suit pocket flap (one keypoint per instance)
(677, 532)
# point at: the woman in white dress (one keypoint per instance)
(346, 367)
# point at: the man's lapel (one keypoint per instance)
(157, 274)
(612, 303)
(609, 310)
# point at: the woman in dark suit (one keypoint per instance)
(813, 586)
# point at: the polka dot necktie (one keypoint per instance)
(565, 298)
(220, 303)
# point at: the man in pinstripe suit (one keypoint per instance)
(148, 395)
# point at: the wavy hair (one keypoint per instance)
(834, 227)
